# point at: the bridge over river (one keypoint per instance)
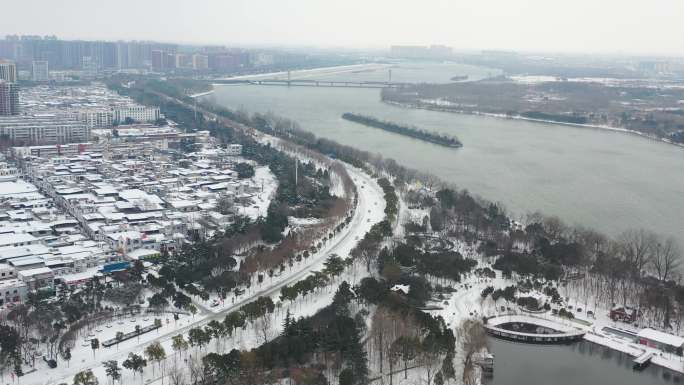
(313, 83)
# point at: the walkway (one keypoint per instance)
(564, 333)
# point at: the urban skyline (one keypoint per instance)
(533, 25)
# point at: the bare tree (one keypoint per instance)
(666, 259)
(554, 227)
(263, 326)
(380, 328)
(637, 248)
(473, 339)
(196, 367)
(175, 373)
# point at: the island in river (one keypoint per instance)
(412, 132)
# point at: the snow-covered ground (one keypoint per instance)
(370, 210)
(264, 177)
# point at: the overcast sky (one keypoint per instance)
(611, 26)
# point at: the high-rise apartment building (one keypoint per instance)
(39, 71)
(9, 98)
(8, 71)
(163, 60)
(200, 62)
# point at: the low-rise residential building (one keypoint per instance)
(12, 291)
(16, 240)
(40, 278)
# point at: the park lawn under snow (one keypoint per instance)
(262, 177)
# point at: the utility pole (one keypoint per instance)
(390, 75)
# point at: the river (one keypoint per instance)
(582, 363)
(607, 180)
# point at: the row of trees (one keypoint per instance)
(334, 266)
(154, 352)
(411, 132)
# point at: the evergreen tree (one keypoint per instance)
(179, 343)
(288, 325)
(112, 369)
(346, 377)
(85, 378)
(439, 379)
(135, 363)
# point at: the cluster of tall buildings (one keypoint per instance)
(63, 54)
(218, 61)
(35, 53)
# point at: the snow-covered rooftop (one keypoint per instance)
(663, 338)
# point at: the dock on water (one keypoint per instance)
(643, 360)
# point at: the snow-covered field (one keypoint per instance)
(370, 210)
(264, 177)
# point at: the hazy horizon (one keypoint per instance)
(582, 26)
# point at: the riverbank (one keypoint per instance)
(518, 117)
